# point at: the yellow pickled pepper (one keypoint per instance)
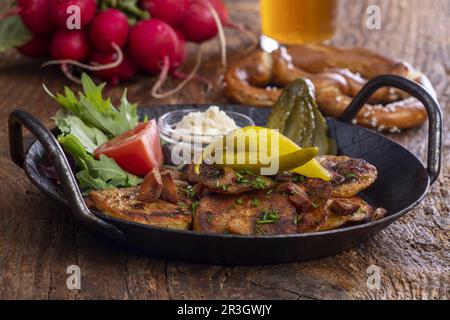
(288, 152)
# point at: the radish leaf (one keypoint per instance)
(129, 7)
(13, 33)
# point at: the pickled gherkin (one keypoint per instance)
(297, 116)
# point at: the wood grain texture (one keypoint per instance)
(38, 240)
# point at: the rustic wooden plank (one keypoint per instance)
(39, 241)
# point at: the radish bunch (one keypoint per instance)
(116, 38)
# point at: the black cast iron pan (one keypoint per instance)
(402, 183)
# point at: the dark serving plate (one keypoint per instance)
(402, 183)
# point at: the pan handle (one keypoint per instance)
(80, 211)
(423, 95)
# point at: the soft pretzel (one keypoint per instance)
(338, 74)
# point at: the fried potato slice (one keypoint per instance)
(349, 210)
(124, 204)
(350, 175)
(244, 214)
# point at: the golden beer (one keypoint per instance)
(298, 21)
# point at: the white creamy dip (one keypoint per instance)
(208, 124)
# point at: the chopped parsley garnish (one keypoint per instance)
(314, 205)
(258, 183)
(255, 202)
(194, 207)
(190, 191)
(223, 187)
(268, 216)
(182, 204)
(239, 201)
(350, 176)
(209, 217)
(241, 179)
(298, 178)
(246, 172)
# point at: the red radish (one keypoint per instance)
(72, 45)
(108, 27)
(187, 77)
(199, 25)
(155, 46)
(203, 23)
(117, 54)
(68, 46)
(181, 52)
(59, 14)
(150, 42)
(206, 18)
(125, 70)
(222, 12)
(38, 46)
(171, 11)
(35, 15)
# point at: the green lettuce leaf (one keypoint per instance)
(90, 183)
(96, 174)
(108, 170)
(88, 122)
(97, 112)
(13, 33)
(91, 138)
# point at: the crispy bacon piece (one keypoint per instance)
(152, 186)
(349, 210)
(343, 207)
(297, 195)
(169, 191)
(226, 180)
(318, 191)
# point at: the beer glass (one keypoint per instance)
(291, 22)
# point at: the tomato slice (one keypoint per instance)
(137, 151)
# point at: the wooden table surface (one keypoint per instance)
(39, 240)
